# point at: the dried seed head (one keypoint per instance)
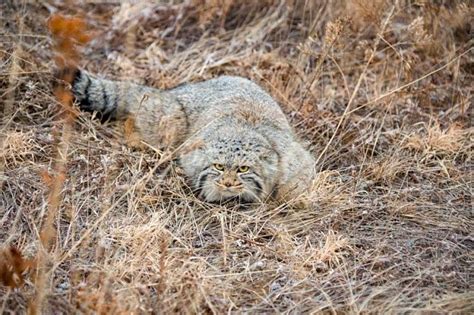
(334, 30)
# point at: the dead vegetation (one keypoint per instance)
(382, 92)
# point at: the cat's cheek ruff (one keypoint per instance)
(209, 193)
(249, 196)
(255, 182)
(204, 176)
(215, 195)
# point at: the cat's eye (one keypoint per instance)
(243, 169)
(218, 166)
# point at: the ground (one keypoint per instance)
(380, 90)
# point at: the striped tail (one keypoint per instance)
(96, 95)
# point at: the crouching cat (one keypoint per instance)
(239, 144)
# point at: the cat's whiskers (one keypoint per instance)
(227, 188)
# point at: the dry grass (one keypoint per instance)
(382, 92)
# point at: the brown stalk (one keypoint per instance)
(67, 33)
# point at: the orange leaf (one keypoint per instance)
(12, 266)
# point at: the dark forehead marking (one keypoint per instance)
(239, 149)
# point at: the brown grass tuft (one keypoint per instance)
(437, 141)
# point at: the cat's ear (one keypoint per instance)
(269, 155)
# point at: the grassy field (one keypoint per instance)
(382, 91)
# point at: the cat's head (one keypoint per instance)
(237, 165)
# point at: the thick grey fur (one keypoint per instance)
(220, 128)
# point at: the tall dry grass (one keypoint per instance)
(380, 90)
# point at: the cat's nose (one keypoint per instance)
(227, 184)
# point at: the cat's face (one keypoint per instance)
(238, 167)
